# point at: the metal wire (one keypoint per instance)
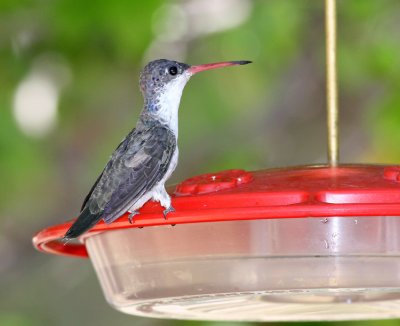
(331, 83)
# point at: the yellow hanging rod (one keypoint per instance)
(331, 83)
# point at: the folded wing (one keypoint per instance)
(137, 165)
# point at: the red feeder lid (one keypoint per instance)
(307, 191)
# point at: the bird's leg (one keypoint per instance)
(132, 215)
(168, 210)
(161, 195)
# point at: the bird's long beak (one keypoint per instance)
(208, 66)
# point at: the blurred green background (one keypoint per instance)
(68, 94)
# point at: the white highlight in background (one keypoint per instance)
(175, 25)
(35, 104)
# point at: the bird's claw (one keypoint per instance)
(168, 210)
(131, 216)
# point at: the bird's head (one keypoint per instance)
(160, 74)
(162, 82)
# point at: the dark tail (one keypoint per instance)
(84, 222)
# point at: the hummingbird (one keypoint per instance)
(139, 167)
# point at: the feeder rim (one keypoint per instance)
(315, 191)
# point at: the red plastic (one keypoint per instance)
(309, 191)
(212, 182)
(392, 173)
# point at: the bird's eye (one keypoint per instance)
(173, 70)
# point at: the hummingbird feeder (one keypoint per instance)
(302, 243)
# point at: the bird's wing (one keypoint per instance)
(120, 149)
(133, 171)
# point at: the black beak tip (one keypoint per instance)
(243, 62)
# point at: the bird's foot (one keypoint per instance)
(65, 240)
(132, 215)
(168, 210)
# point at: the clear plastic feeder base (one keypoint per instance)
(336, 268)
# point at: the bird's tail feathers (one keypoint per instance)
(84, 222)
